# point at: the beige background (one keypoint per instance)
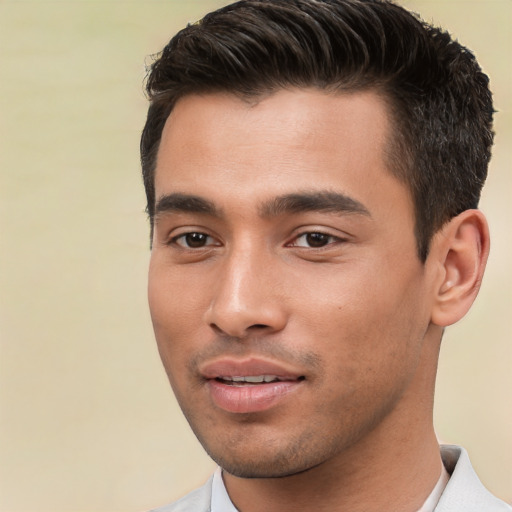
(87, 419)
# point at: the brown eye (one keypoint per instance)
(193, 240)
(317, 239)
(314, 240)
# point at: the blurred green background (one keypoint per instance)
(87, 419)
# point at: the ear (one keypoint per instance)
(460, 250)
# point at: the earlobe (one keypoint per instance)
(461, 248)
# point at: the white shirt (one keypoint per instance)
(220, 497)
(222, 503)
(435, 495)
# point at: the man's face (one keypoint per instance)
(290, 308)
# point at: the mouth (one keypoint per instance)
(251, 380)
(251, 385)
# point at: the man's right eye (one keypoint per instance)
(194, 240)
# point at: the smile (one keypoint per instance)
(250, 385)
(253, 379)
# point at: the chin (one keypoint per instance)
(263, 468)
(266, 461)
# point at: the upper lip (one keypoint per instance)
(230, 367)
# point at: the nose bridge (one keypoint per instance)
(246, 294)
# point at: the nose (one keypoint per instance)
(246, 297)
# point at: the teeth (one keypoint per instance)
(256, 379)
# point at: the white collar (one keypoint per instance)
(434, 497)
(222, 503)
(220, 497)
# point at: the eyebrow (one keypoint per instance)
(185, 203)
(313, 201)
(299, 202)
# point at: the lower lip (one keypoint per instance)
(251, 397)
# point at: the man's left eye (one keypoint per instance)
(194, 240)
(314, 240)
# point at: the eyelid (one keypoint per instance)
(173, 237)
(337, 238)
(213, 242)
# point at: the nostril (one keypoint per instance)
(216, 328)
(258, 326)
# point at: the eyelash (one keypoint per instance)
(320, 236)
(183, 236)
(330, 239)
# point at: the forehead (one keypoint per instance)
(219, 145)
(300, 116)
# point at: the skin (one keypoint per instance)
(352, 310)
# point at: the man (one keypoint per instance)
(312, 170)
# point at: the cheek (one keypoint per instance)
(175, 296)
(174, 312)
(364, 326)
(371, 355)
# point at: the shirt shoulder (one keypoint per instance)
(464, 491)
